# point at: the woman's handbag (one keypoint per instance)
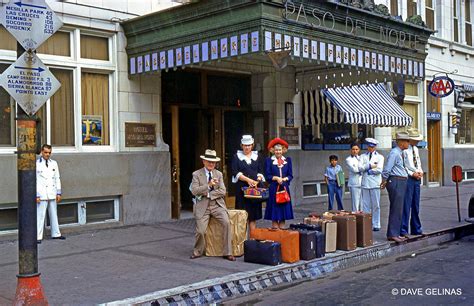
(282, 196)
(257, 193)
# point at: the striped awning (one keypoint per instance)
(361, 104)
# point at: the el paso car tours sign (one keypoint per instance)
(441, 86)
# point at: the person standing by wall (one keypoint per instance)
(371, 166)
(411, 205)
(279, 172)
(394, 177)
(330, 177)
(247, 171)
(48, 192)
(355, 176)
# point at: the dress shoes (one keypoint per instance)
(396, 239)
(59, 238)
(38, 241)
(230, 258)
(376, 229)
(194, 256)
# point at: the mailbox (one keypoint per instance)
(456, 174)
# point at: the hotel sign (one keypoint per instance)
(140, 134)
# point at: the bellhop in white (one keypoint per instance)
(48, 192)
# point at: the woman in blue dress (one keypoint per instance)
(247, 171)
(278, 172)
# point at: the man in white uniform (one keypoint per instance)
(355, 177)
(371, 166)
(48, 192)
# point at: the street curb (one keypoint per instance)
(243, 283)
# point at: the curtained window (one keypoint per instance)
(7, 41)
(7, 116)
(394, 7)
(430, 14)
(94, 47)
(455, 22)
(411, 8)
(468, 23)
(57, 44)
(62, 110)
(95, 108)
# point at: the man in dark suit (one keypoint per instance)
(209, 190)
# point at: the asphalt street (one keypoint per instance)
(436, 275)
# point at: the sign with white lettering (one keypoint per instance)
(31, 22)
(140, 134)
(441, 86)
(29, 82)
(434, 116)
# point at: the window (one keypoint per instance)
(7, 116)
(430, 14)
(468, 175)
(394, 7)
(467, 4)
(314, 189)
(455, 22)
(466, 127)
(62, 110)
(95, 108)
(411, 8)
(94, 47)
(7, 41)
(57, 44)
(8, 219)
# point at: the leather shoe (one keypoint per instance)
(59, 238)
(376, 229)
(230, 258)
(404, 236)
(38, 241)
(194, 256)
(396, 239)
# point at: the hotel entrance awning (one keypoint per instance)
(361, 104)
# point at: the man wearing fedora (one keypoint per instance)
(394, 177)
(412, 195)
(209, 190)
(371, 166)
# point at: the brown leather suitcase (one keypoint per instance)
(314, 214)
(289, 240)
(346, 232)
(215, 236)
(311, 220)
(364, 229)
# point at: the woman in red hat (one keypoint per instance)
(279, 173)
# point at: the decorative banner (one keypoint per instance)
(224, 47)
(322, 51)
(410, 68)
(154, 60)
(345, 54)
(162, 60)
(196, 53)
(296, 46)
(234, 49)
(133, 69)
(415, 69)
(360, 58)
(287, 42)
(277, 42)
(380, 62)
(268, 41)
(353, 57)
(330, 53)
(314, 50)
(205, 51)
(441, 86)
(393, 66)
(244, 43)
(254, 37)
(214, 54)
(399, 65)
(187, 55)
(179, 57)
(374, 61)
(387, 63)
(367, 59)
(170, 58)
(404, 66)
(147, 63)
(305, 48)
(338, 55)
(140, 64)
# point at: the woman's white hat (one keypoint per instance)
(247, 140)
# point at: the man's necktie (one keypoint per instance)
(370, 156)
(46, 162)
(210, 179)
(415, 162)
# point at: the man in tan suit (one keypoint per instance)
(209, 189)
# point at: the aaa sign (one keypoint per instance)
(441, 87)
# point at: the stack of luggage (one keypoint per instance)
(215, 236)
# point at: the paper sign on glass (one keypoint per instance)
(187, 55)
(147, 63)
(314, 50)
(380, 62)
(287, 42)
(140, 64)
(214, 50)
(330, 53)
(154, 61)
(254, 40)
(386, 63)
(338, 54)
(162, 60)
(277, 42)
(205, 51)
(170, 58)
(224, 47)
(196, 53)
(244, 43)
(353, 57)
(305, 48)
(322, 51)
(410, 67)
(404, 66)
(393, 66)
(179, 57)
(296, 46)
(268, 41)
(234, 46)
(345, 55)
(399, 65)
(360, 58)
(133, 69)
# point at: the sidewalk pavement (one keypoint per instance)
(114, 264)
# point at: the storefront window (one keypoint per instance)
(95, 108)
(466, 128)
(62, 110)
(334, 136)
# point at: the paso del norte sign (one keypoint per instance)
(441, 86)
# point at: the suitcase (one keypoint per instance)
(307, 244)
(215, 237)
(289, 240)
(308, 227)
(311, 220)
(320, 244)
(262, 252)
(364, 229)
(314, 214)
(346, 232)
(329, 230)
